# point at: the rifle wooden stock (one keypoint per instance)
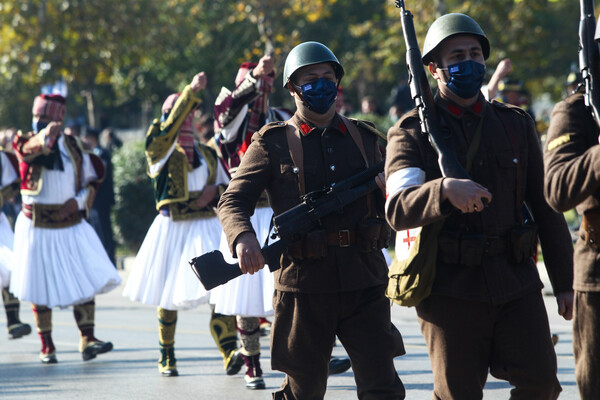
(423, 98)
(212, 269)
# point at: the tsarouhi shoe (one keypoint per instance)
(18, 330)
(253, 376)
(234, 362)
(93, 348)
(48, 358)
(167, 364)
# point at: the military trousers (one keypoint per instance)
(586, 344)
(467, 338)
(303, 333)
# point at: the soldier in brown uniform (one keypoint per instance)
(485, 311)
(321, 290)
(572, 160)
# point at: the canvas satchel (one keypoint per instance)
(412, 272)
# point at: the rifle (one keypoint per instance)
(589, 58)
(421, 93)
(212, 269)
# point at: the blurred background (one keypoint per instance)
(116, 61)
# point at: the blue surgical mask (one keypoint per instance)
(319, 95)
(38, 125)
(466, 78)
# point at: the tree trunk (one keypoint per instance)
(91, 107)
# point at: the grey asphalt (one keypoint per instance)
(130, 370)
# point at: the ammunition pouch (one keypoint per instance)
(471, 249)
(373, 234)
(313, 245)
(590, 225)
(522, 243)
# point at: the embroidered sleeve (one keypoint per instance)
(162, 136)
(230, 105)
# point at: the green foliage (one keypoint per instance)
(135, 208)
(382, 122)
(132, 53)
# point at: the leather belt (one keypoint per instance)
(343, 238)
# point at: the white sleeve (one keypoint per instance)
(229, 132)
(222, 177)
(155, 168)
(9, 175)
(89, 175)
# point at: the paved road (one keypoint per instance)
(130, 372)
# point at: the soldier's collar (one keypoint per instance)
(336, 124)
(457, 111)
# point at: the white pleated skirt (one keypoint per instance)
(247, 295)
(161, 274)
(60, 267)
(6, 251)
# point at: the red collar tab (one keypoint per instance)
(477, 107)
(305, 128)
(455, 109)
(342, 127)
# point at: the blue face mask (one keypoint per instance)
(319, 95)
(38, 125)
(466, 78)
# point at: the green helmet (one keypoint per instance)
(450, 25)
(309, 53)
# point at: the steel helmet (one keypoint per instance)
(450, 25)
(310, 53)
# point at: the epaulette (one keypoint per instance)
(408, 117)
(271, 127)
(369, 127)
(510, 107)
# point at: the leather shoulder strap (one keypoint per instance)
(295, 146)
(355, 134)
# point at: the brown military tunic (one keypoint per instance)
(572, 157)
(342, 293)
(493, 167)
(572, 164)
(330, 155)
(476, 313)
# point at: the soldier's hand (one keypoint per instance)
(208, 195)
(565, 305)
(264, 67)
(248, 252)
(68, 208)
(380, 180)
(466, 195)
(198, 82)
